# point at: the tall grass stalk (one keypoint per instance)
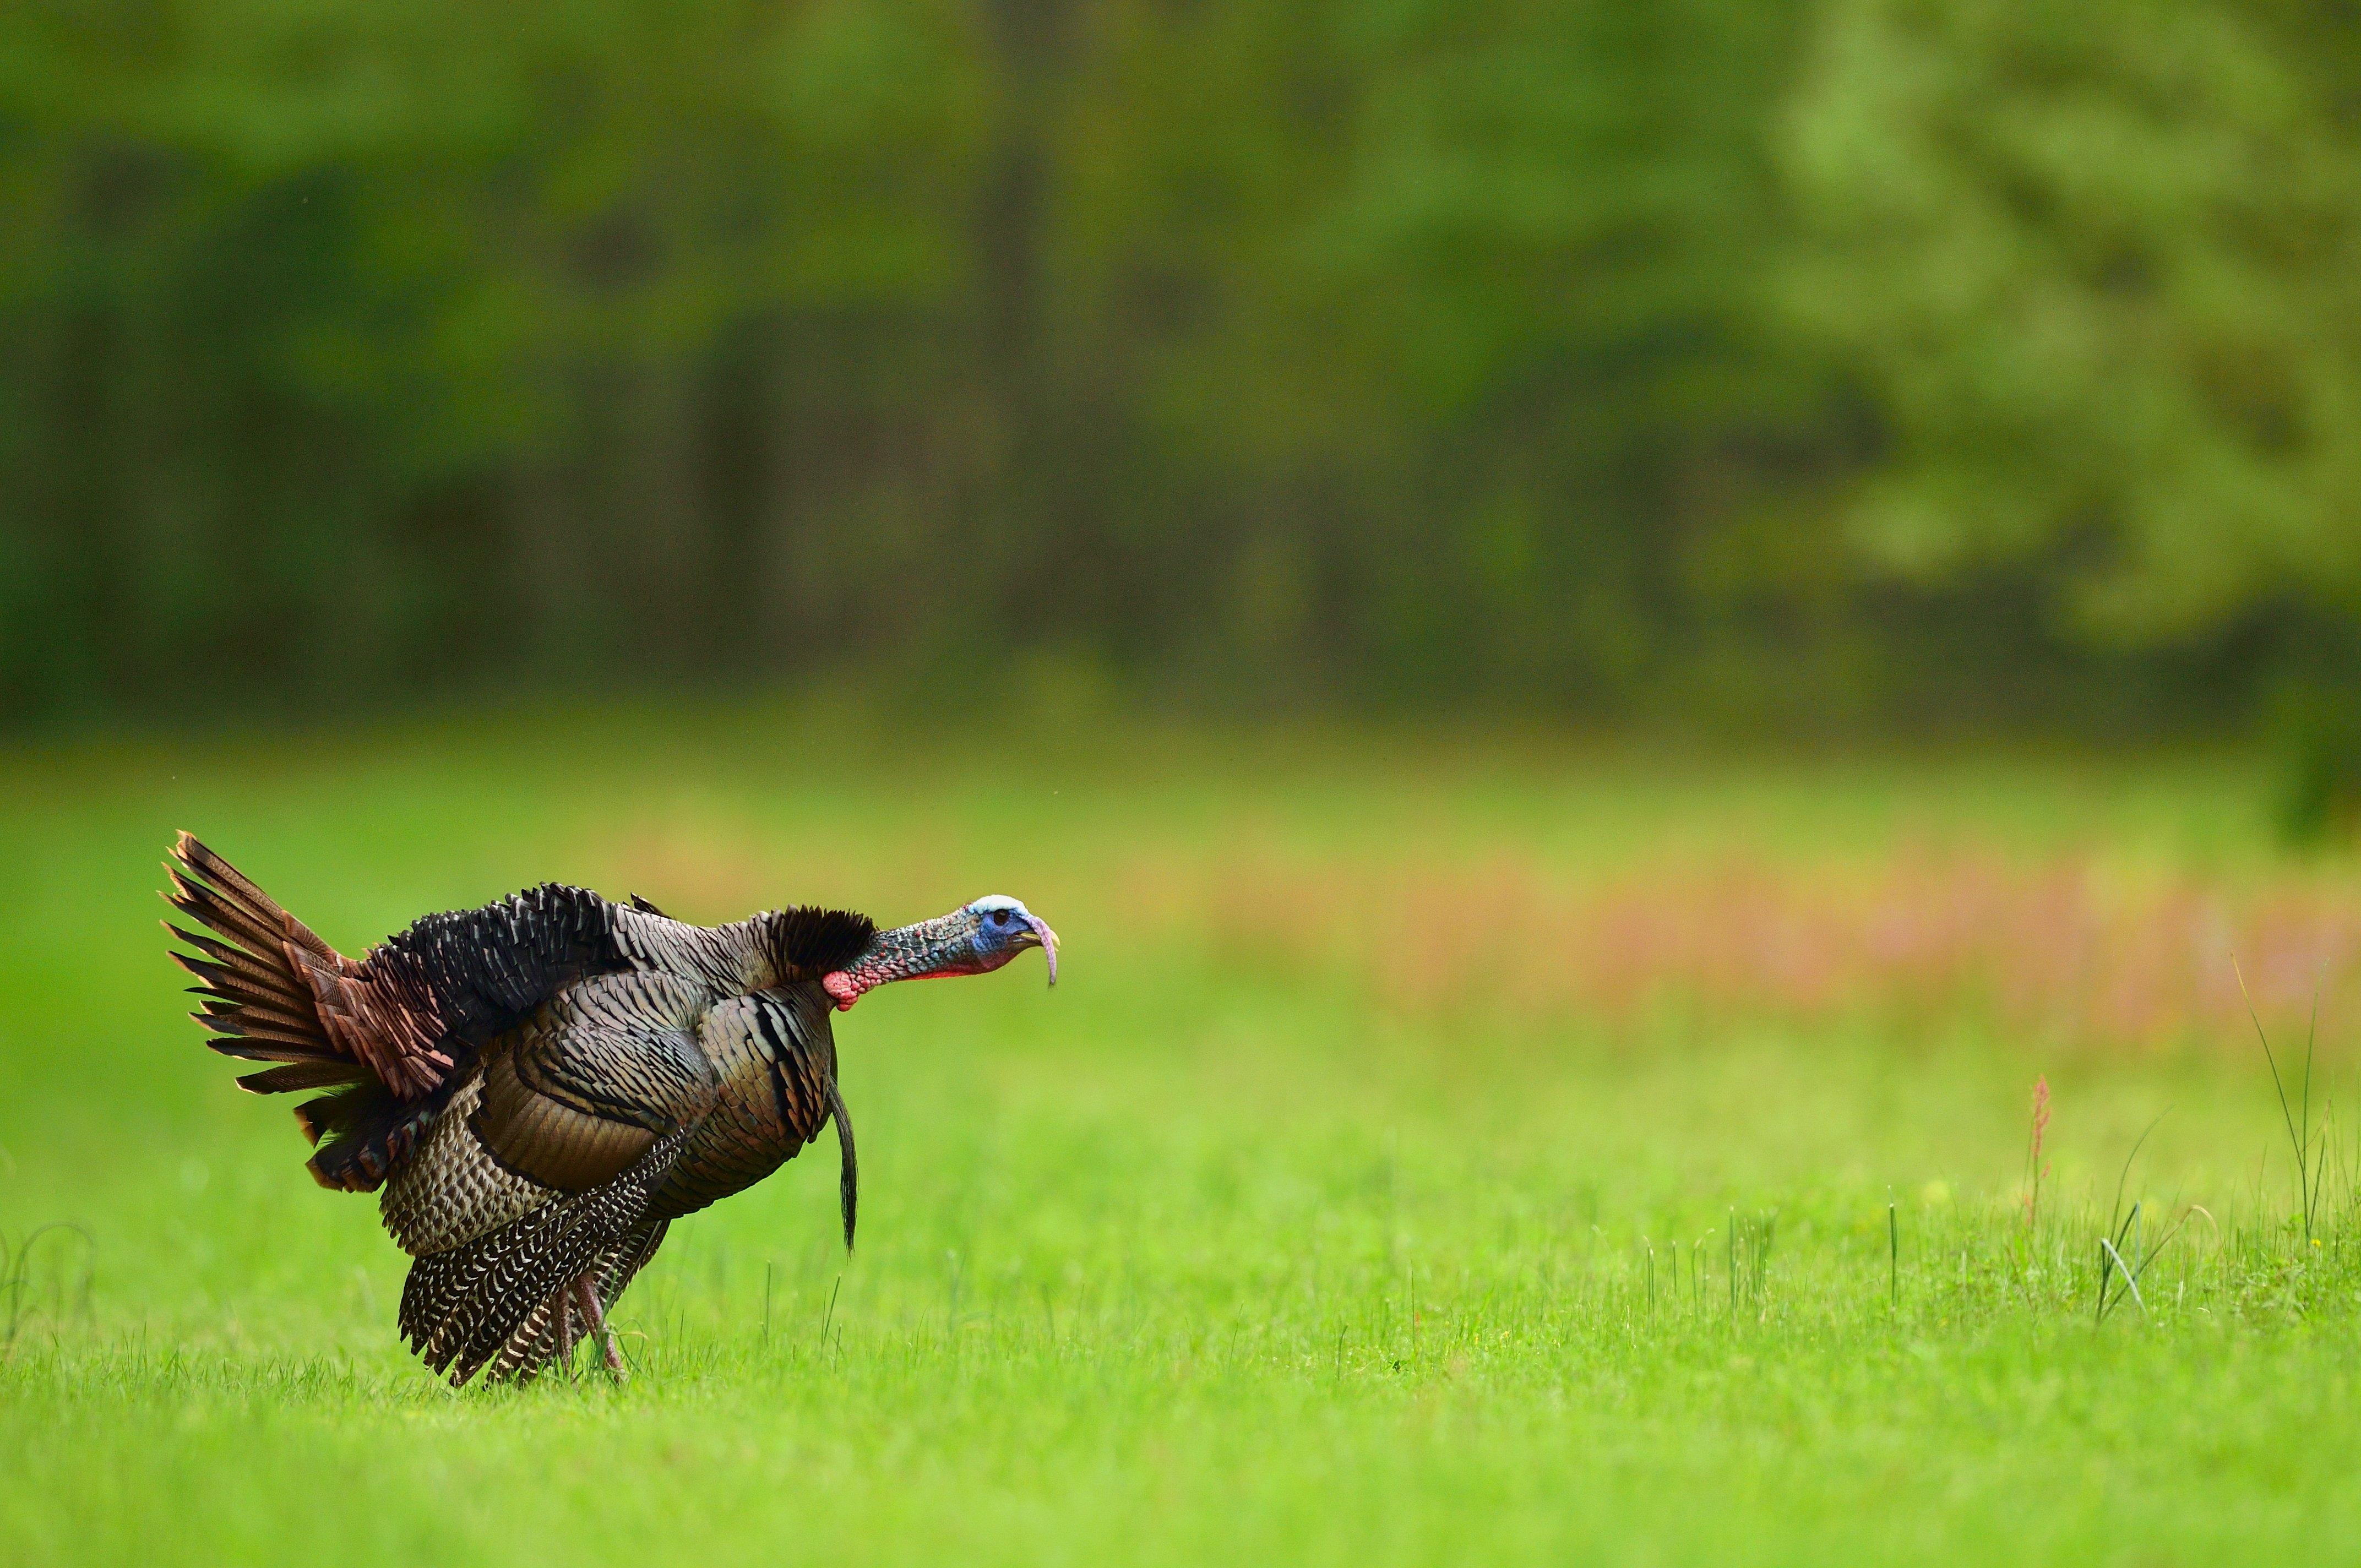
(2299, 1131)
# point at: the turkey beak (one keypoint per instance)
(1048, 940)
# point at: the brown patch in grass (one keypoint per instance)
(2073, 947)
(2068, 946)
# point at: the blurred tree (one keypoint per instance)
(2317, 734)
(367, 340)
(1789, 360)
(2096, 266)
(1454, 304)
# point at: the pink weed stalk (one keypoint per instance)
(2034, 1168)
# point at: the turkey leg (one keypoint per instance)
(565, 1332)
(586, 1294)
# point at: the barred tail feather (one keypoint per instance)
(554, 1328)
(463, 1308)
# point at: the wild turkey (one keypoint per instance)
(538, 1088)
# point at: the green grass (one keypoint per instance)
(1227, 1250)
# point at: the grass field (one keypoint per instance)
(1434, 1151)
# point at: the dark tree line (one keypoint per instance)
(1844, 360)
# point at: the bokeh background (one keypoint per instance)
(1771, 365)
(1684, 674)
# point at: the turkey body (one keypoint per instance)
(535, 1090)
(703, 1095)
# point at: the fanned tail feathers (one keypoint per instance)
(259, 997)
(251, 991)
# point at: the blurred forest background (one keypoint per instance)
(1817, 365)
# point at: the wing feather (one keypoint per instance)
(595, 1080)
